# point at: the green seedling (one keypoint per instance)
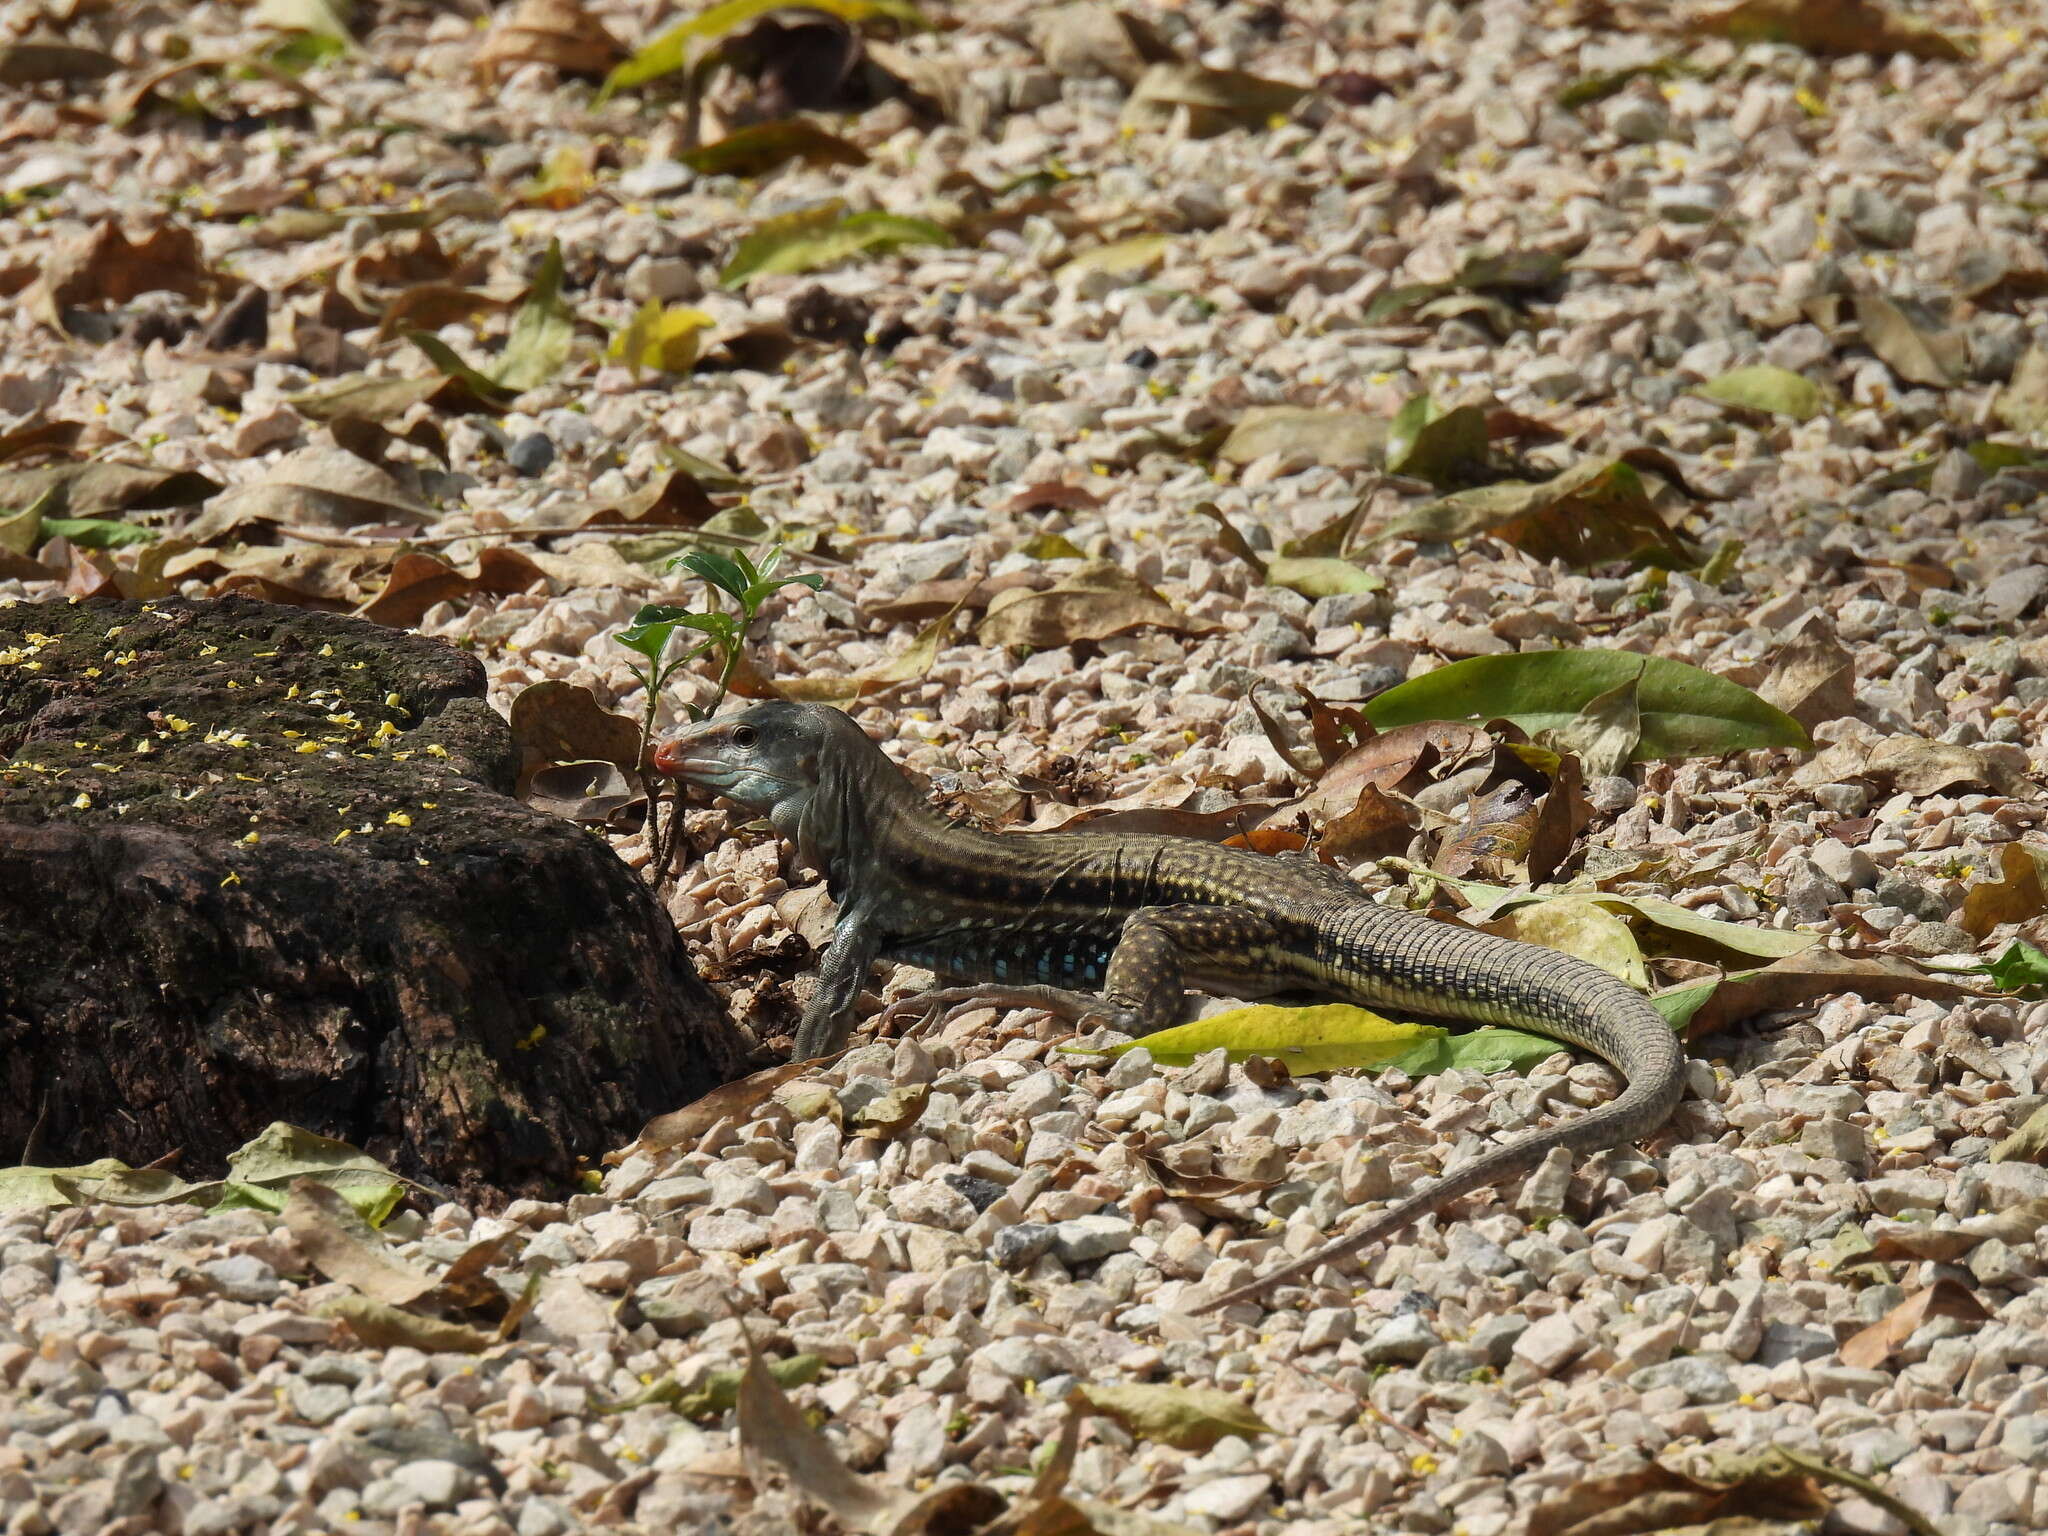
(729, 576)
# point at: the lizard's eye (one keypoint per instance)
(744, 736)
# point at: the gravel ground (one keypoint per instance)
(964, 1227)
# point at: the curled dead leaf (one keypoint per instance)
(2018, 895)
(418, 581)
(557, 722)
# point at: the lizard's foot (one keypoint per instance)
(1075, 1007)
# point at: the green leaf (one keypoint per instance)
(2020, 966)
(651, 628)
(1320, 575)
(1339, 1037)
(33, 1189)
(1765, 388)
(260, 1171)
(760, 591)
(1444, 448)
(1679, 1004)
(538, 347)
(1741, 938)
(1186, 1418)
(1587, 89)
(731, 574)
(97, 532)
(821, 236)
(1119, 258)
(672, 50)
(487, 389)
(1685, 712)
(1495, 1050)
(1051, 546)
(761, 148)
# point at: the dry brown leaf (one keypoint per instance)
(1095, 39)
(772, 1431)
(1918, 766)
(2028, 1144)
(1828, 27)
(1560, 819)
(1376, 827)
(1812, 680)
(342, 1246)
(372, 440)
(105, 266)
(1809, 976)
(1215, 100)
(1657, 1498)
(1597, 510)
(591, 794)
(682, 1127)
(383, 1326)
(558, 33)
(1918, 356)
(894, 1111)
(36, 60)
(2016, 1224)
(557, 722)
(929, 599)
(1492, 843)
(103, 488)
(418, 581)
(464, 1283)
(2018, 895)
(907, 666)
(39, 439)
(1053, 495)
(299, 575)
(1092, 604)
(429, 306)
(1872, 1346)
(397, 261)
(317, 487)
(1605, 732)
(1334, 439)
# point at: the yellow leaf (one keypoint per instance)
(666, 339)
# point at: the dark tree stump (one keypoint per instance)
(264, 865)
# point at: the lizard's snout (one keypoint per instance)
(672, 757)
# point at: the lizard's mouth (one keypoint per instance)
(686, 760)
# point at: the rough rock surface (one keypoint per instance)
(262, 864)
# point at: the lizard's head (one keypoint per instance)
(765, 758)
(793, 763)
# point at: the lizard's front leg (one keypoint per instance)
(828, 1019)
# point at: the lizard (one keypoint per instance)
(1119, 925)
